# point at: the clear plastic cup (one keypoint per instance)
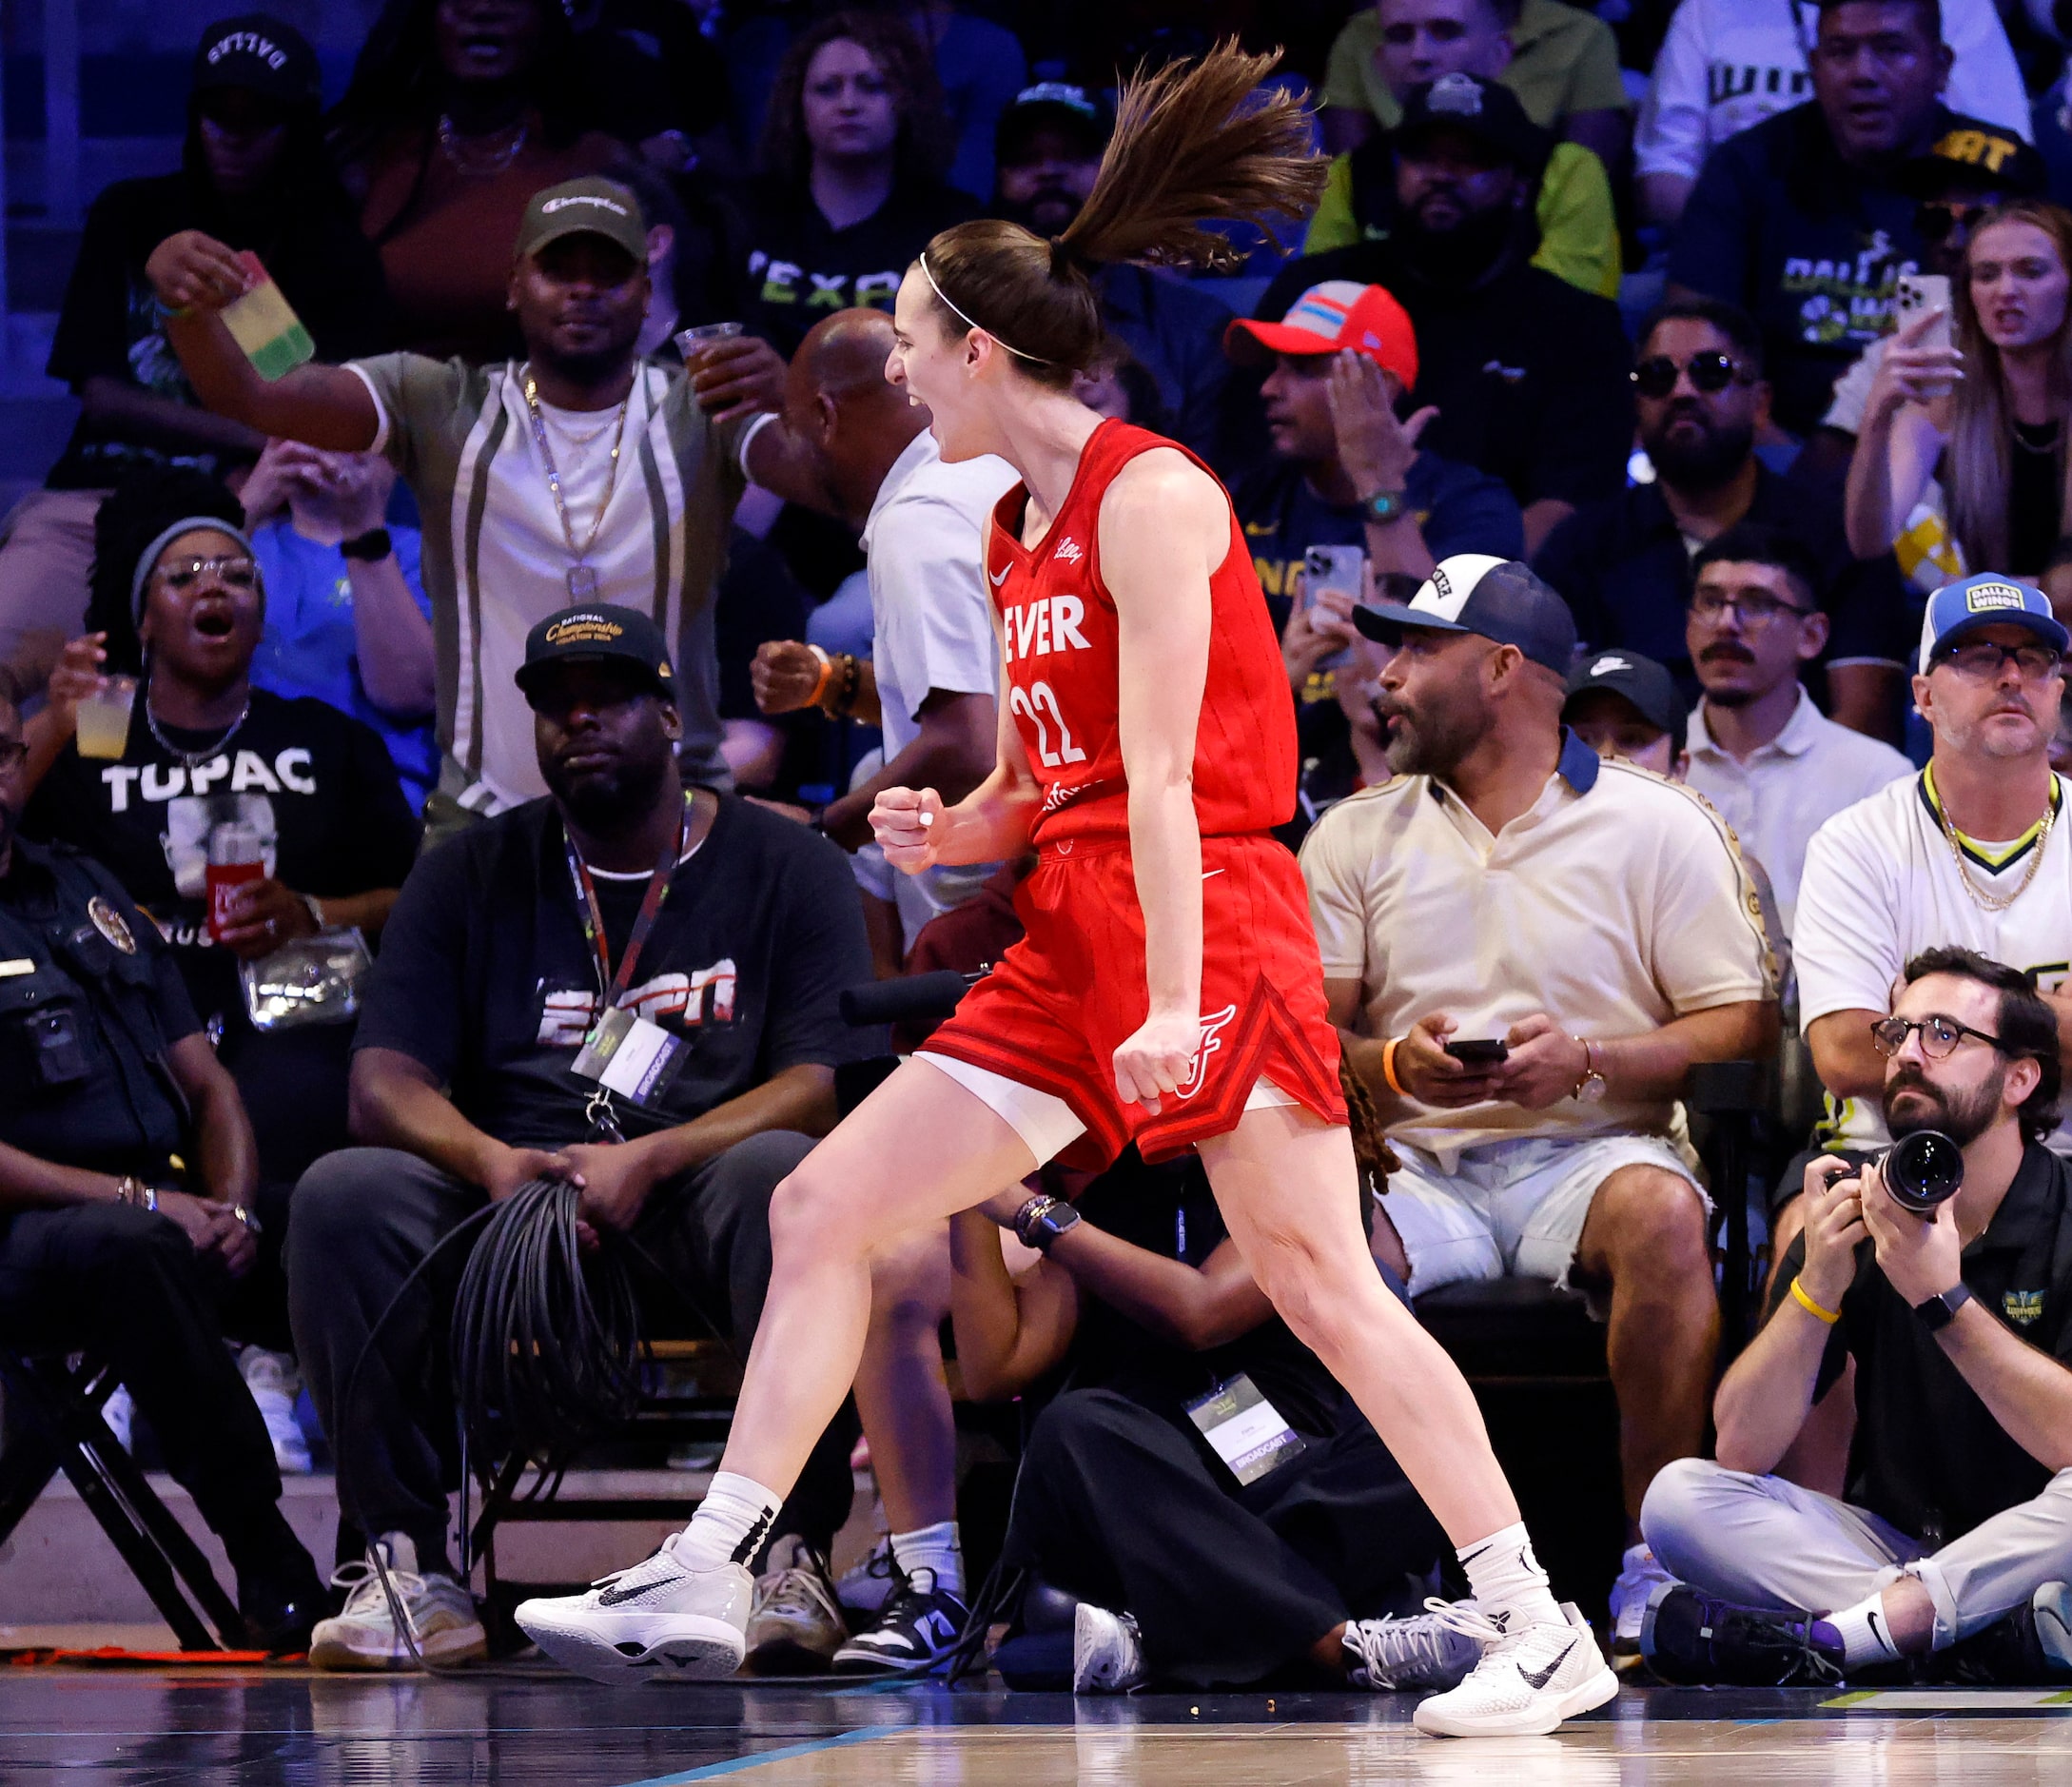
(103, 717)
(692, 342)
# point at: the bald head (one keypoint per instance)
(839, 409)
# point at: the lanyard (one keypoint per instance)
(612, 986)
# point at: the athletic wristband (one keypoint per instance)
(827, 671)
(1828, 1316)
(1388, 1066)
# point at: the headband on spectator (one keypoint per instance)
(1034, 360)
(186, 524)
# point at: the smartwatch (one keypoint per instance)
(370, 547)
(1383, 506)
(1042, 1220)
(1937, 1313)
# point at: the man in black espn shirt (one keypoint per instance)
(720, 933)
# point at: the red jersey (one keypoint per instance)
(1063, 670)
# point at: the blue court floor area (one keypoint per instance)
(226, 1728)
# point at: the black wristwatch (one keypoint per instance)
(370, 547)
(1383, 506)
(1939, 1312)
(1042, 1220)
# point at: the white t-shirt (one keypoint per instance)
(1881, 885)
(931, 620)
(1616, 904)
(1727, 64)
(1790, 788)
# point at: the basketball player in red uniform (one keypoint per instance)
(1168, 989)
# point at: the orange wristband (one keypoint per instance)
(827, 675)
(1388, 1066)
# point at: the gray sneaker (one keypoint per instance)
(438, 1611)
(1434, 1649)
(796, 1626)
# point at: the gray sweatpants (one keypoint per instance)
(1765, 1542)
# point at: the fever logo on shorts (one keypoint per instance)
(1211, 1041)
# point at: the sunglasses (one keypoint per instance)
(1656, 376)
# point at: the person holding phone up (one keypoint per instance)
(1982, 417)
(1526, 949)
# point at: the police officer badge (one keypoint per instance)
(109, 923)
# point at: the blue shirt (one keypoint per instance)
(308, 647)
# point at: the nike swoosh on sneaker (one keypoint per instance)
(619, 1596)
(1537, 1678)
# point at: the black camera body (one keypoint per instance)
(1921, 1171)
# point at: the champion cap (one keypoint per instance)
(1986, 600)
(1501, 599)
(590, 206)
(596, 632)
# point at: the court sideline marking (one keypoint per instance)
(711, 1771)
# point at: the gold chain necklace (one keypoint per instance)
(582, 575)
(1995, 902)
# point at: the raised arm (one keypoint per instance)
(1904, 431)
(1164, 529)
(327, 406)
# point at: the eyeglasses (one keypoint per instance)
(1756, 610)
(1937, 220)
(1982, 661)
(1939, 1035)
(1656, 375)
(180, 575)
(13, 754)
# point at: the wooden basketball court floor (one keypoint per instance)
(224, 1728)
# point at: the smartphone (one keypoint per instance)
(1339, 568)
(1922, 292)
(1481, 1051)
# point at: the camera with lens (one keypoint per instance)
(1921, 1170)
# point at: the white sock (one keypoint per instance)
(935, 1548)
(731, 1523)
(1506, 1580)
(1867, 1634)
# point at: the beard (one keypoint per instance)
(1962, 1116)
(605, 802)
(1431, 741)
(1706, 462)
(1732, 695)
(1464, 253)
(1046, 214)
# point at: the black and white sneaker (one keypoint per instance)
(920, 1624)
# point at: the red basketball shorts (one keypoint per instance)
(1060, 1002)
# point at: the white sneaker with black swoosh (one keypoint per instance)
(1528, 1681)
(660, 1620)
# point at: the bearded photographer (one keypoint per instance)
(1958, 1527)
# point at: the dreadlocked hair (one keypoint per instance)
(1371, 1151)
(1195, 143)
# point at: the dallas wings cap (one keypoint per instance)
(1472, 592)
(1986, 600)
(594, 630)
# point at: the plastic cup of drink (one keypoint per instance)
(236, 858)
(693, 341)
(103, 717)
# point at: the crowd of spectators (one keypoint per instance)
(1654, 453)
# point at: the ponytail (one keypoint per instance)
(1193, 144)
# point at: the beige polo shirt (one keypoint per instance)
(1617, 903)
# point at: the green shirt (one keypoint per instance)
(1563, 61)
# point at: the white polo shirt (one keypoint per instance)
(931, 620)
(1882, 884)
(1787, 790)
(1617, 903)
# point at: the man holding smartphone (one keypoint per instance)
(1527, 950)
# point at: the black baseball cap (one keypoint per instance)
(1976, 154)
(591, 205)
(1054, 104)
(597, 632)
(1472, 592)
(259, 54)
(1646, 687)
(1487, 111)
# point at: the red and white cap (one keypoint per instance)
(1329, 319)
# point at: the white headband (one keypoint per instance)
(1034, 360)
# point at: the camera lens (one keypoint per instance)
(1923, 1170)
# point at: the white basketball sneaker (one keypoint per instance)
(660, 1620)
(1528, 1681)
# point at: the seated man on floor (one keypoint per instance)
(1527, 950)
(108, 1078)
(1956, 1535)
(731, 930)
(1202, 1552)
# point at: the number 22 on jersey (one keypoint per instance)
(1030, 703)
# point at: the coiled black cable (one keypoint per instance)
(546, 1344)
